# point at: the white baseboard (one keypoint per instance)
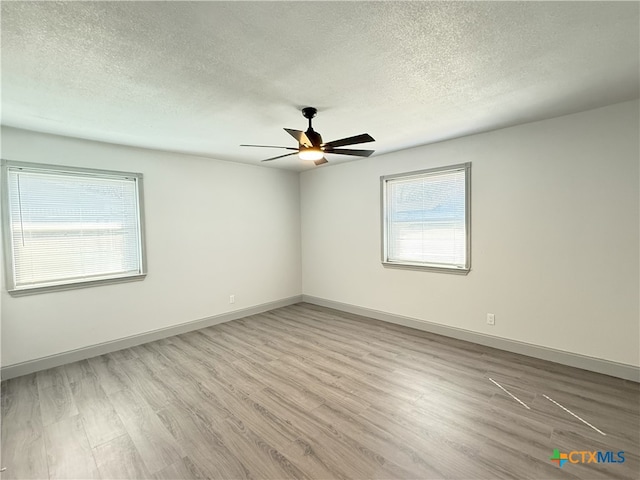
(24, 368)
(607, 367)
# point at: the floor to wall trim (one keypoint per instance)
(24, 368)
(620, 370)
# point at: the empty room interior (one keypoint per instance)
(320, 240)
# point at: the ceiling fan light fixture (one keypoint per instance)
(311, 147)
(312, 154)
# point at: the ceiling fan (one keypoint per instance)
(310, 146)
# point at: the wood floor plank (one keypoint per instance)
(204, 439)
(495, 436)
(439, 450)
(319, 383)
(355, 428)
(611, 424)
(183, 469)
(156, 447)
(123, 355)
(78, 371)
(109, 373)
(219, 364)
(234, 402)
(100, 420)
(69, 455)
(280, 382)
(323, 449)
(260, 457)
(56, 400)
(145, 382)
(151, 354)
(23, 447)
(119, 459)
(56, 403)
(309, 392)
(226, 400)
(221, 348)
(52, 377)
(255, 350)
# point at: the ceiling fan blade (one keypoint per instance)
(363, 138)
(348, 151)
(280, 156)
(321, 161)
(269, 146)
(299, 136)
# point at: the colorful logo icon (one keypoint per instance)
(584, 456)
(559, 458)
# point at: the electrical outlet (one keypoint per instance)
(491, 319)
(232, 299)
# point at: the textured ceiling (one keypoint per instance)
(204, 77)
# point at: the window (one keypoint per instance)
(425, 219)
(70, 227)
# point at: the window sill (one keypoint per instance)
(73, 286)
(427, 267)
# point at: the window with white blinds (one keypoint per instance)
(426, 219)
(68, 227)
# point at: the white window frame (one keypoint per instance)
(435, 267)
(71, 284)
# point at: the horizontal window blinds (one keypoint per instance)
(426, 219)
(72, 227)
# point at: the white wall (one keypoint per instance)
(555, 235)
(213, 228)
(555, 232)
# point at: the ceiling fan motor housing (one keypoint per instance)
(314, 137)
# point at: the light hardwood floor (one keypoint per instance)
(308, 392)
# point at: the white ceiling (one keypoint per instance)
(204, 77)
